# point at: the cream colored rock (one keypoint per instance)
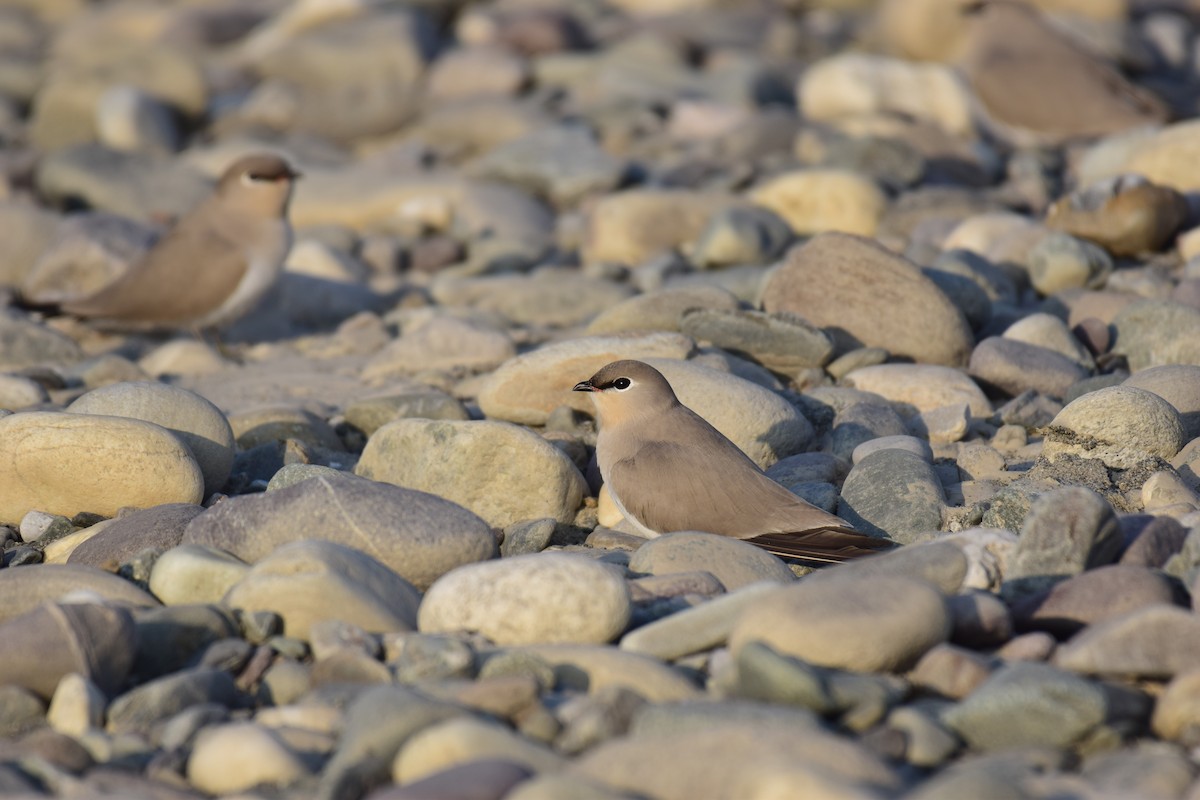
(833, 622)
(660, 310)
(17, 392)
(998, 236)
(182, 357)
(527, 388)
(818, 200)
(591, 668)
(465, 739)
(193, 573)
(1120, 425)
(231, 758)
(1168, 157)
(310, 581)
(538, 598)
(198, 423)
(630, 227)
(856, 83)
(863, 294)
(504, 473)
(77, 706)
(67, 463)
(921, 388)
(441, 343)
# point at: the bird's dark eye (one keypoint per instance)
(621, 384)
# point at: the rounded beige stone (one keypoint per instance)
(67, 463)
(838, 622)
(240, 756)
(196, 421)
(538, 598)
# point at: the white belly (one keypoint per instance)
(639, 528)
(265, 265)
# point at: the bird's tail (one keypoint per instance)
(824, 546)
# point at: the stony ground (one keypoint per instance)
(935, 268)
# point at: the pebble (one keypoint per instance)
(1152, 333)
(699, 628)
(728, 760)
(562, 163)
(1060, 261)
(860, 423)
(1052, 333)
(1066, 531)
(442, 457)
(507, 601)
(814, 201)
(481, 779)
(77, 706)
(909, 444)
(1120, 425)
(239, 756)
(590, 668)
(372, 413)
(137, 710)
(25, 589)
(1028, 705)
(631, 226)
(741, 235)
(1157, 641)
(55, 640)
(851, 84)
(782, 343)
(917, 388)
(464, 740)
(868, 499)
(831, 623)
(417, 536)
(158, 528)
(1126, 214)
(442, 342)
(17, 392)
(308, 582)
(943, 564)
(156, 466)
(1179, 385)
(870, 295)
(1094, 596)
(660, 309)
(192, 573)
(734, 563)
(1013, 367)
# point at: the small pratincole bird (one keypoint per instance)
(215, 264)
(669, 470)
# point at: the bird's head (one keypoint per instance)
(626, 389)
(258, 184)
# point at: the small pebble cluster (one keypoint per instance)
(933, 265)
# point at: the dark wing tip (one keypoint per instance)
(826, 546)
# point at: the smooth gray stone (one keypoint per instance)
(862, 422)
(55, 639)
(781, 342)
(894, 494)
(141, 708)
(1028, 704)
(169, 637)
(942, 564)
(1067, 531)
(377, 724)
(417, 535)
(159, 528)
(741, 235)
(1013, 367)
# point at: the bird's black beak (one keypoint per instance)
(584, 386)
